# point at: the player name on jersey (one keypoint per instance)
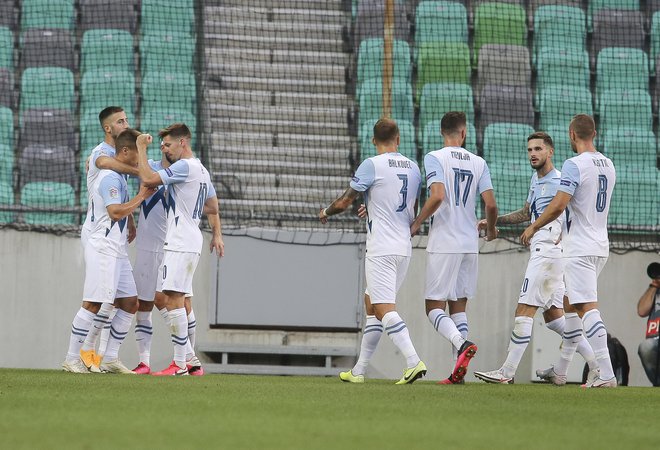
(460, 155)
(399, 164)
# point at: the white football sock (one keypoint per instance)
(446, 327)
(594, 330)
(397, 331)
(570, 338)
(105, 334)
(460, 320)
(166, 315)
(179, 334)
(585, 350)
(101, 319)
(143, 333)
(520, 337)
(371, 334)
(79, 329)
(118, 330)
(557, 325)
(192, 327)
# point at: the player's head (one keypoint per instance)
(539, 149)
(113, 121)
(175, 141)
(126, 146)
(453, 127)
(581, 129)
(386, 133)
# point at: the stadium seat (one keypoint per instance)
(629, 146)
(47, 48)
(6, 126)
(443, 63)
(621, 68)
(6, 198)
(371, 18)
(625, 108)
(562, 143)
(441, 21)
(6, 163)
(371, 101)
(635, 185)
(504, 64)
(432, 139)
(596, 6)
(499, 23)
(370, 61)
(534, 5)
(655, 40)
(177, 16)
(102, 87)
(48, 195)
(407, 146)
(48, 127)
(166, 90)
(6, 88)
(440, 98)
(41, 162)
(561, 27)
(156, 50)
(506, 142)
(566, 67)
(47, 14)
(152, 121)
(500, 103)
(511, 181)
(103, 14)
(6, 48)
(629, 26)
(558, 104)
(91, 133)
(47, 87)
(105, 48)
(8, 15)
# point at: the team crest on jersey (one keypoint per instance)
(543, 190)
(114, 193)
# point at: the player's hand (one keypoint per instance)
(527, 235)
(656, 283)
(146, 192)
(144, 140)
(218, 245)
(131, 230)
(482, 225)
(491, 235)
(414, 229)
(561, 235)
(362, 211)
(322, 217)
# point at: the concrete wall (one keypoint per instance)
(42, 276)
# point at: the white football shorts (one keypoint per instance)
(385, 275)
(177, 271)
(543, 285)
(581, 275)
(147, 265)
(450, 276)
(107, 277)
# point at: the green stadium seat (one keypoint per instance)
(106, 48)
(48, 14)
(102, 87)
(156, 50)
(562, 143)
(566, 67)
(6, 48)
(511, 181)
(621, 68)
(443, 63)
(635, 185)
(432, 139)
(440, 98)
(559, 103)
(91, 133)
(441, 21)
(655, 40)
(152, 121)
(597, 5)
(6, 127)
(629, 146)
(561, 27)
(407, 146)
(167, 90)
(176, 16)
(371, 101)
(6, 198)
(370, 61)
(625, 108)
(506, 142)
(499, 23)
(6, 162)
(47, 87)
(48, 195)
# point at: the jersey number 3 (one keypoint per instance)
(404, 191)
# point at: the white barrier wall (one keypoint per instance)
(41, 276)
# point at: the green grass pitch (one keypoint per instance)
(49, 409)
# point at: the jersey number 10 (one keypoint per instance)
(201, 199)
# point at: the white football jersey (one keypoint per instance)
(589, 178)
(391, 185)
(152, 224)
(465, 175)
(103, 149)
(189, 186)
(107, 236)
(541, 193)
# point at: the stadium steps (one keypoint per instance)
(300, 114)
(266, 98)
(247, 125)
(234, 55)
(222, 139)
(270, 165)
(240, 12)
(244, 180)
(275, 43)
(317, 5)
(248, 82)
(279, 70)
(286, 154)
(278, 29)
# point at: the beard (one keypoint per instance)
(169, 159)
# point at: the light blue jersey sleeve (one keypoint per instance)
(112, 189)
(530, 194)
(176, 173)
(570, 177)
(434, 171)
(364, 176)
(155, 165)
(211, 192)
(485, 183)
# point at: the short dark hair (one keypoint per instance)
(127, 138)
(107, 112)
(452, 122)
(176, 130)
(385, 130)
(583, 126)
(547, 140)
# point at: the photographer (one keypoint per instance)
(649, 305)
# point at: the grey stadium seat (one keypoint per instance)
(504, 64)
(370, 21)
(52, 127)
(502, 103)
(8, 15)
(47, 48)
(47, 163)
(109, 14)
(616, 28)
(6, 88)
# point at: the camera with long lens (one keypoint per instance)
(653, 270)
